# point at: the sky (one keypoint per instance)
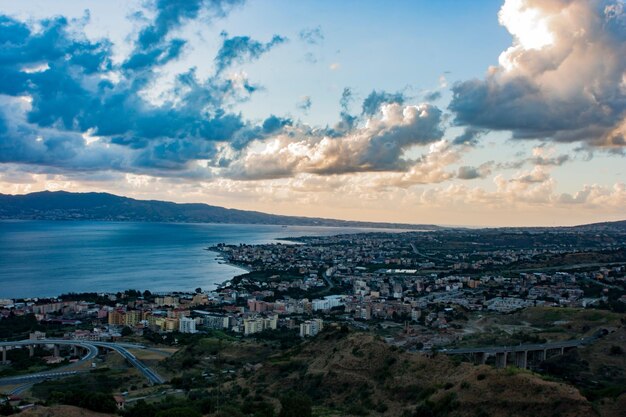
(490, 113)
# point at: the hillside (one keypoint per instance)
(61, 205)
(348, 373)
(357, 374)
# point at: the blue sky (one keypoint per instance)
(450, 112)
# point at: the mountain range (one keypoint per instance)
(62, 205)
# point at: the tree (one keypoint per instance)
(198, 290)
(98, 401)
(141, 409)
(127, 331)
(7, 409)
(295, 404)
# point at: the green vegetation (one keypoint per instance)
(17, 327)
(294, 404)
(23, 363)
(93, 390)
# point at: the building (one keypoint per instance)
(507, 304)
(199, 299)
(116, 318)
(132, 317)
(311, 328)
(186, 325)
(165, 324)
(326, 303)
(216, 322)
(258, 324)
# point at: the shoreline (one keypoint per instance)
(226, 261)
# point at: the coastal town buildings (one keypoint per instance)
(186, 325)
(311, 328)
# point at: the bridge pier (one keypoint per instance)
(521, 359)
(31, 350)
(4, 354)
(56, 351)
(74, 350)
(480, 358)
(501, 359)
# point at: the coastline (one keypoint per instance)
(226, 261)
(113, 268)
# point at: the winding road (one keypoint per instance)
(91, 348)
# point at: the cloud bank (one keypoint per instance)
(563, 79)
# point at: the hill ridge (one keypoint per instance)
(64, 205)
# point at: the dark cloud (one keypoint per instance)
(153, 46)
(566, 91)
(536, 176)
(469, 136)
(467, 173)
(375, 99)
(274, 123)
(312, 36)
(305, 104)
(239, 49)
(435, 95)
(550, 161)
(471, 173)
(346, 98)
(346, 121)
(78, 118)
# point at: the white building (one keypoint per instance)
(507, 304)
(311, 327)
(186, 325)
(326, 303)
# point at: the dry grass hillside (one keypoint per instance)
(358, 374)
(61, 411)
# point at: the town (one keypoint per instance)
(361, 280)
(422, 292)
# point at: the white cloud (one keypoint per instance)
(379, 145)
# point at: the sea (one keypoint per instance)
(49, 258)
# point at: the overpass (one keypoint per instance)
(91, 351)
(520, 355)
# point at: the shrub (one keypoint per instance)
(295, 404)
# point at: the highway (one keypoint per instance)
(528, 347)
(121, 349)
(92, 351)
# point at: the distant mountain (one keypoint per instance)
(61, 205)
(603, 226)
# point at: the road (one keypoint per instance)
(529, 347)
(417, 252)
(328, 279)
(121, 349)
(92, 351)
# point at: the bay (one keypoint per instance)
(49, 258)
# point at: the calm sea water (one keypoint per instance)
(47, 258)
